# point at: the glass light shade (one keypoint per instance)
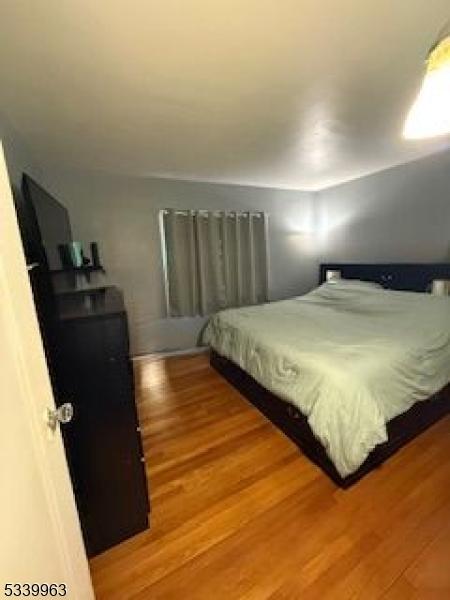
(430, 113)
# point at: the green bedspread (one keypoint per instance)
(349, 355)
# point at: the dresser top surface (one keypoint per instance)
(90, 305)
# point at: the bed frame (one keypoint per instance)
(293, 423)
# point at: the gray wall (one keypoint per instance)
(122, 215)
(401, 214)
(18, 157)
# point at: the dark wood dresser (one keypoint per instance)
(103, 441)
(85, 338)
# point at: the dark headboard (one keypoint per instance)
(396, 276)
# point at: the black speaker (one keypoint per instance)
(95, 256)
(64, 255)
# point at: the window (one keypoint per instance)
(213, 260)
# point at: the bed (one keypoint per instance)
(351, 371)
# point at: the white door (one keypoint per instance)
(40, 538)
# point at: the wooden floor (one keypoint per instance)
(238, 513)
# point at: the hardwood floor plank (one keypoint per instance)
(429, 574)
(240, 514)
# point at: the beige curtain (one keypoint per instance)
(213, 260)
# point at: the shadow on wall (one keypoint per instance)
(18, 157)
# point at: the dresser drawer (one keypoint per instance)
(104, 439)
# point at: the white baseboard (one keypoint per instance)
(161, 355)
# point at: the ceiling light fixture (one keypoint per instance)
(430, 114)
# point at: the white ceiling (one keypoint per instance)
(289, 93)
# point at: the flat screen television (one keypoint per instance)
(44, 223)
(52, 219)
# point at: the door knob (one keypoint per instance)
(31, 266)
(62, 415)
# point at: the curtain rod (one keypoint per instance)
(166, 211)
